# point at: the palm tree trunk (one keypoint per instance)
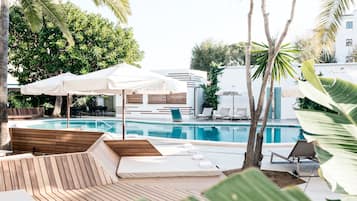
(58, 107)
(4, 34)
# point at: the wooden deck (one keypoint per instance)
(132, 148)
(76, 176)
(51, 141)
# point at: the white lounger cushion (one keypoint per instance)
(163, 166)
(17, 195)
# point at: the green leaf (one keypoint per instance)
(33, 14)
(282, 63)
(335, 131)
(310, 75)
(121, 8)
(251, 184)
(53, 11)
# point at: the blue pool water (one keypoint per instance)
(197, 131)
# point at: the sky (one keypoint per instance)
(167, 30)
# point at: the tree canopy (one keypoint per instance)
(208, 52)
(98, 44)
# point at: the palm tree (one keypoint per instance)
(281, 68)
(34, 11)
(329, 21)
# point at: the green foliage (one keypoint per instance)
(210, 90)
(305, 103)
(251, 184)
(208, 52)
(36, 10)
(282, 63)
(334, 132)
(98, 44)
(307, 50)
(17, 100)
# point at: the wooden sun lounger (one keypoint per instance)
(132, 148)
(25, 113)
(25, 140)
(76, 176)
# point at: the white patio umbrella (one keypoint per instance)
(52, 86)
(124, 79)
(229, 93)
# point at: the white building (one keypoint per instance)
(159, 105)
(346, 38)
(233, 78)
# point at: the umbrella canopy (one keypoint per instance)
(124, 77)
(52, 86)
(228, 93)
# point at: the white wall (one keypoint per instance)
(234, 78)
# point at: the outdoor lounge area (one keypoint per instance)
(90, 167)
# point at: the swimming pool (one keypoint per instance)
(192, 131)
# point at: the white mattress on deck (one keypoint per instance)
(165, 166)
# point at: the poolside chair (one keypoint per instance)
(221, 113)
(240, 113)
(301, 150)
(206, 113)
(176, 115)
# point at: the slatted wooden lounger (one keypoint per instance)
(75, 176)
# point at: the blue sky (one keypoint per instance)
(167, 30)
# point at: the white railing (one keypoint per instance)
(103, 122)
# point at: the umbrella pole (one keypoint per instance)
(123, 113)
(233, 107)
(68, 110)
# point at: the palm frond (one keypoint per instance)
(282, 65)
(121, 8)
(33, 14)
(53, 11)
(329, 21)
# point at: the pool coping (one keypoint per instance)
(26, 123)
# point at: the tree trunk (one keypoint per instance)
(4, 35)
(249, 154)
(253, 155)
(58, 107)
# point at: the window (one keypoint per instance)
(349, 59)
(178, 98)
(349, 25)
(134, 99)
(348, 42)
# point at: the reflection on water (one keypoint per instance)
(226, 133)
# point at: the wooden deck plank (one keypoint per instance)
(95, 171)
(27, 179)
(73, 172)
(67, 172)
(2, 179)
(83, 170)
(62, 174)
(40, 180)
(78, 171)
(7, 176)
(88, 169)
(56, 174)
(20, 174)
(13, 175)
